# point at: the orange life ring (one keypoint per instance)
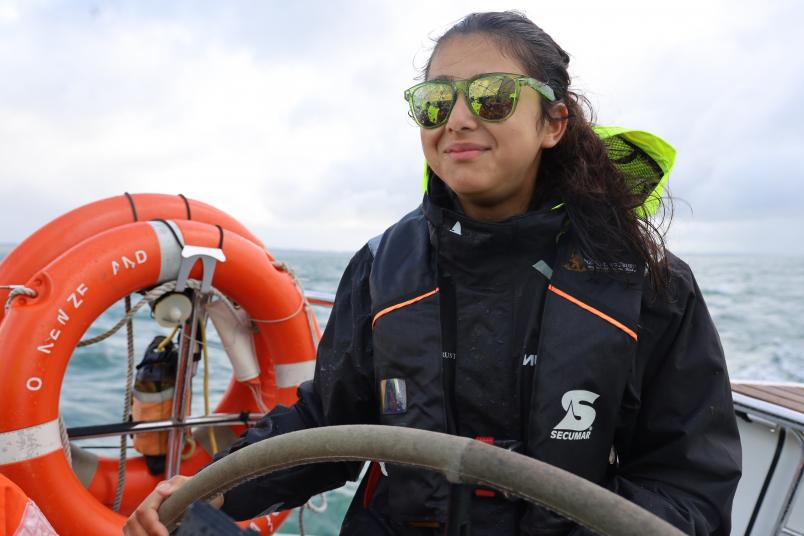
(39, 334)
(72, 228)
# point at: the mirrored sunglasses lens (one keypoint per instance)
(493, 97)
(431, 104)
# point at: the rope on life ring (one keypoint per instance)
(16, 290)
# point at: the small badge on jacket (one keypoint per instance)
(393, 396)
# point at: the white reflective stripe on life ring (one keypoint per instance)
(28, 443)
(292, 374)
(169, 249)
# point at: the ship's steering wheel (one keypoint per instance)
(461, 460)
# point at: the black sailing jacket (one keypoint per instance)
(559, 357)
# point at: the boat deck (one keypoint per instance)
(786, 395)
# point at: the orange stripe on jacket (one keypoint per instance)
(403, 304)
(631, 333)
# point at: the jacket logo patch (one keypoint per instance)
(529, 360)
(576, 263)
(577, 423)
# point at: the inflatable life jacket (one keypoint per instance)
(407, 309)
(39, 334)
(572, 417)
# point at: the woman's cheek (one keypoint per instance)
(429, 140)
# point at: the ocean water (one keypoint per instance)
(757, 306)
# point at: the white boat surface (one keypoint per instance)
(770, 499)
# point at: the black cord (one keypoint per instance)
(187, 206)
(220, 241)
(172, 231)
(766, 483)
(133, 208)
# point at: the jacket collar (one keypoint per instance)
(481, 247)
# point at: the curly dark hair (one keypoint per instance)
(600, 203)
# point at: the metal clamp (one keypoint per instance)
(209, 258)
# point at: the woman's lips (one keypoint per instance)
(465, 151)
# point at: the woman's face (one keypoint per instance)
(491, 167)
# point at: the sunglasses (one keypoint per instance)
(490, 96)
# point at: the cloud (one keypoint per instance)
(8, 14)
(755, 236)
(292, 119)
(147, 104)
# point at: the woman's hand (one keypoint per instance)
(145, 519)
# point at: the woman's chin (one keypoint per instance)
(469, 185)
(478, 197)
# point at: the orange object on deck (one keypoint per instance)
(38, 337)
(19, 515)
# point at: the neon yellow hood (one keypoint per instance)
(645, 159)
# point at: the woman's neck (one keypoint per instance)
(496, 212)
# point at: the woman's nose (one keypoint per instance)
(461, 117)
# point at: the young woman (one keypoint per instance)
(529, 302)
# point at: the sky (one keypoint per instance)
(290, 117)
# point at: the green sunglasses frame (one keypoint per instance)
(463, 85)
